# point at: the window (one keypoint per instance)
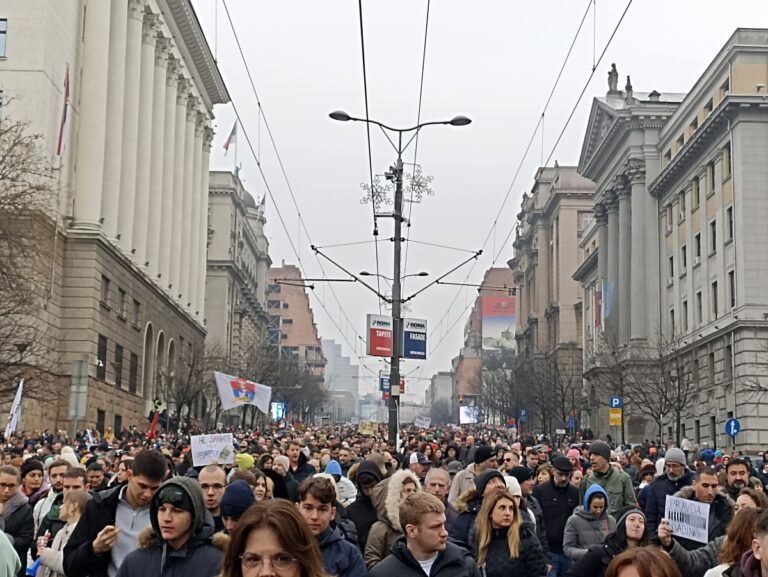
(121, 302)
(708, 107)
(285, 305)
(714, 299)
(729, 223)
(118, 427)
(670, 213)
(696, 248)
(683, 259)
(133, 371)
(711, 368)
(284, 336)
(693, 126)
(699, 308)
(713, 431)
(671, 269)
(732, 288)
(118, 366)
(713, 237)
(681, 206)
(695, 369)
(101, 418)
(668, 156)
(695, 194)
(725, 87)
(680, 142)
(136, 312)
(710, 178)
(727, 162)
(672, 321)
(287, 321)
(273, 288)
(101, 358)
(273, 304)
(3, 32)
(697, 431)
(727, 363)
(105, 282)
(684, 316)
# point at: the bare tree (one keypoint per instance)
(27, 232)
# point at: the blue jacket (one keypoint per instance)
(340, 557)
(656, 498)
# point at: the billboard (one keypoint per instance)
(469, 415)
(278, 411)
(414, 339)
(499, 321)
(379, 336)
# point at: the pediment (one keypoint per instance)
(602, 118)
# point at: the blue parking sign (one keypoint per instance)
(617, 403)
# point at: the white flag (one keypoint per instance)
(15, 414)
(236, 392)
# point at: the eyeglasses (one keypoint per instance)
(507, 460)
(7, 486)
(279, 561)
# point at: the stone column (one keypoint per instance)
(625, 258)
(196, 235)
(92, 125)
(203, 198)
(130, 124)
(601, 216)
(180, 133)
(113, 145)
(612, 322)
(169, 171)
(636, 180)
(145, 151)
(156, 161)
(187, 199)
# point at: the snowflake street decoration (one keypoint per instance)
(418, 184)
(380, 193)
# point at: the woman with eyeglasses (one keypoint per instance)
(506, 546)
(272, 538)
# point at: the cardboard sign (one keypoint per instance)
(367, 428)
(423, 422)
(210, 449)
(689, 519)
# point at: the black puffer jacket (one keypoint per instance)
(529, 562)
(454, 561)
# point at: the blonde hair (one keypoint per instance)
(485, 528)
(417, 504)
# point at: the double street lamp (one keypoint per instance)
(396, 174)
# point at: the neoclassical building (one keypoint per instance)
(138, 83)
(679, 262)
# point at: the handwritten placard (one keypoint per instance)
(209, 449)
(422, 421)
(689, 519)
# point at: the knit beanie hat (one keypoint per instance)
(236, 499)
(244, 461)
(30, 465)
(183, 493)
(675, 455)
(522, 474)
(513, 486)
(483, 453)
(573, 454)
(484, 478)
(283, 460)
(601, 448)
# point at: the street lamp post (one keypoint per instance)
(395, 174)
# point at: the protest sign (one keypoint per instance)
(367, 428)
(423, 422)
(689, 519)
(209, 449)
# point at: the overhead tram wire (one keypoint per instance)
(293, 196)
(287, 181)
(554, 148)
(416, 141)
(370, 154)
(520, 165)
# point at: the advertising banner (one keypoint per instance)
(415, 339)
(378, 336)
(384, 383)
(499, 320)
(614, 419)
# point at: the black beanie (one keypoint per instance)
(237, 498)
(30, 465)
(522, 474)
(484, 478)
(483, 453)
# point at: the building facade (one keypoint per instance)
(681, 244)
(342, 379)
(292, 330)
(238, 268)
(550, 225)
(137, 84)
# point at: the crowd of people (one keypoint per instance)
(333, 502)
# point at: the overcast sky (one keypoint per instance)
(494, 61)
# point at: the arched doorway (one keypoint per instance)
(160, 368)
(148, 364)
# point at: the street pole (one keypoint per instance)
(394, 374)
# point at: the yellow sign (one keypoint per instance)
(367, 428)
(614, 420)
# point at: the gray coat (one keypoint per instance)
(696, 562)
(583, 530)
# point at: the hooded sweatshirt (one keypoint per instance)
(583, 529)
(362, 512)
(386, 500)
(156, 557)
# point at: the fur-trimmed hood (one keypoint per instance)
(690, 493)
(385, 497)
(468, 501)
